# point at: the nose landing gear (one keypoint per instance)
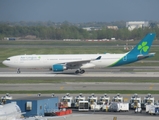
(18, 71)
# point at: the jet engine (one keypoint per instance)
(58, 68)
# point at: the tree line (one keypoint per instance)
(65, 31)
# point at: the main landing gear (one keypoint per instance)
(18, 71)
(80, 71)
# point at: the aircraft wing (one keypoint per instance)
(77, 64)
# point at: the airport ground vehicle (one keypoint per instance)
(92, 101)
(118, 107)
(148, 100)
(96, 106)
(105, 101)
(117, 98)
(153, 109)
(135, 102)
(78, 98)
(148, 108)
(67, 101)
(5, 97)
(83, 106)
(138, 110)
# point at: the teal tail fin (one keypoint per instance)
(143, 47)
(139, 52)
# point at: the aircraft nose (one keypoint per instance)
(4, 62)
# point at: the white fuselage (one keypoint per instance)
(46, 61)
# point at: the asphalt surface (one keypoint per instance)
(111, 72)
(8, 73)
(105, 116)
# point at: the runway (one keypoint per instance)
(90, 74)
(87, 74)
(110, 72)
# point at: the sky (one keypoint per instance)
(79, 11)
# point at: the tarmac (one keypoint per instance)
(115, 73)
(105, 117)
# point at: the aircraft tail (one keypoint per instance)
(139, 52)
(143, 47)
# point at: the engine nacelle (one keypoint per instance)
(58, 67)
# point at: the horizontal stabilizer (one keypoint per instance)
(145, 56)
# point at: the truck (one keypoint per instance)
(147, 108)
(96, 106)
(138, 110)
(83, 106)
(78, 98)
(135, 102)
(118, 107)
(118, 98)
(92, 101)
(148, 100)
(153, 110)
(105, 101)
(67, 101)
(5, 98)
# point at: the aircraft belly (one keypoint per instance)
(103, 63)
(88, 65)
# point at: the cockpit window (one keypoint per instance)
(8, 59)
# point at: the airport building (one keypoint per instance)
(113, 27)
(136, 24)
(37, 106)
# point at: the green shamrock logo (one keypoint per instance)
(143, 47)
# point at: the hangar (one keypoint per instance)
(131, 25)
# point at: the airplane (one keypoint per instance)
(10, 111)
(61, 62)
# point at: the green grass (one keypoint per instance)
(66, 43)
(76, 80)
(83, 91)
(70, 43)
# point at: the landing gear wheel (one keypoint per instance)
(82, 71)
(79, 71)
(18, 71)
